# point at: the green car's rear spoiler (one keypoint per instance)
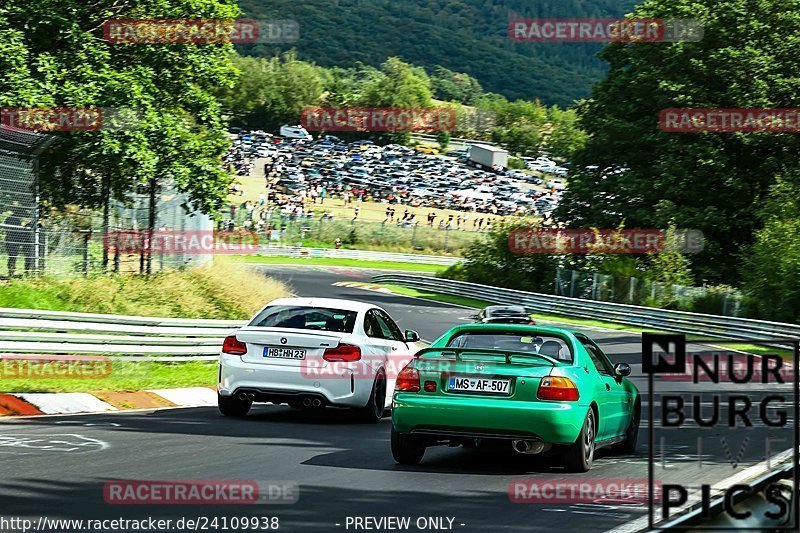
(507, 354)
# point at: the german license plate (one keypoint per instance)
(284, 353)
(468, 384)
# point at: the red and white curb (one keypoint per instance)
(364, 286)
(56, 403)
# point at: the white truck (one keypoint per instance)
(295, 132)
(487, 157)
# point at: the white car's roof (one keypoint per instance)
(328, 303)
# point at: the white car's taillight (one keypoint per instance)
(233, 346)
(343, 352)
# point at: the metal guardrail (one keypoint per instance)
(647, 317)
(38, 314)
(30, 331)
(360, 255)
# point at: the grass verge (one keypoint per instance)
(123, 377)
(437, 297)
(335, 261)
(220, 291)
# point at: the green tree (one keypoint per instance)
(771, 265)
(712, 182)
(455, 86)
(566, 136)
(55, 55)
(519, 124)
(491, 261)
(443, 138)
(272, 92)
(397, 84)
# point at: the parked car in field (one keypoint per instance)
(312, 353)
(541, 390)
(427, 150)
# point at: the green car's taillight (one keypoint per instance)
(558, 389)
(407, 380)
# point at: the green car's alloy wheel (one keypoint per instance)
(373, 411)
(405, 450)
(579, 456)
(232, 406)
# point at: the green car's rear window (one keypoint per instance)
(543, 344)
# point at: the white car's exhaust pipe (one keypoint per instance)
(317, 402)
(306, 402)
(243, 396)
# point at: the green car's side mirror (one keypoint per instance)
(622, 370)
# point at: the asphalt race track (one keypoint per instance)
(57, 466)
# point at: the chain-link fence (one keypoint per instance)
(23, 244)
(172, 217)
(35, 242)
(649, 293)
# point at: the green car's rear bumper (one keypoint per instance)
(553, 422)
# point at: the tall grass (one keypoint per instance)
(390, 237)
(220, 291)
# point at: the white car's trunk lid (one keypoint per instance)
(294, 345)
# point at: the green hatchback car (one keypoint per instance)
(541, 389)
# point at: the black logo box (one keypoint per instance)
(675, 346)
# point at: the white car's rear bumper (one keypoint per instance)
(337, 386)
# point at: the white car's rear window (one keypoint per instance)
(311, 318)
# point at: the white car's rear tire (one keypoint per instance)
(232, 406)
(373, 411)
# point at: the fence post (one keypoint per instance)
(572, 285)
(630, 291)
(86, 238)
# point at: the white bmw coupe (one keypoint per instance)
(313, 353)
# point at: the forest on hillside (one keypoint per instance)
(469, 36)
